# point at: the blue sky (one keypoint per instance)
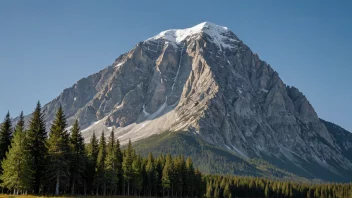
(46, 46)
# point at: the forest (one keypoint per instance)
(57, 161)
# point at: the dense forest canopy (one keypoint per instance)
(35, 162)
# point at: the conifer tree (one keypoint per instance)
(17, 173)
(127, 166)
(92, 152)
(112, 163)
(151, 174)
(37, 146)
(78, 160)
(101, 180)
(266, 191)
(5, 136)
(137, 179)
(119, 165)
(59, 151)
(190, 177)
(167, 177)
(159, 166)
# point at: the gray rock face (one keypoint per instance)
(203, 80)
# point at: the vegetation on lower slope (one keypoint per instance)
(61, 164)
(208, 158)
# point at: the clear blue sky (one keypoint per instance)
(46, 46)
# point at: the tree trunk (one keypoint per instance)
(73, 186)
(57, 185)
(97, 193)
(104, 189)
(128, 189)
(85, 188)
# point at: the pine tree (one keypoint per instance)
(101, 180)
(267, 191)
(119, 165)
(78, 160)
(17, 173)
(190, 177)
(112, 163)
(127, 166)
(167, 177)
(59, 151)
(227, 191)
(137, 179)
(92, 152)
(151, 174)
(36, 145)
(5, 136)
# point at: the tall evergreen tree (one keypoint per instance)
(17, 173)
(5, 136)
(37, 146)
(119, 165)
(137, 179)
(59, 151)
(101, 180)
(127, 166)
(92, 152)
(78, 159)
(151, 174)
(167, 177)
(111, 163)
(189, 177)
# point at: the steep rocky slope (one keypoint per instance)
(206, 81)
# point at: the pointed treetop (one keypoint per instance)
(20, 124)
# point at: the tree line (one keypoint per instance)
(34, 161)
(251, 187)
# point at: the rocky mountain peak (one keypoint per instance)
(202, 80)
(220, 35)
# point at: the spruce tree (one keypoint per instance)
(189, 177)
(167, 177)
(92, 152)
(151, 174)
(127, 166)
(17, 173)
(78, 159)
(119, 165)
(137, 179)
(37, 146)
(101, 180)
(59, 151)
(5, 136)
(111, 163)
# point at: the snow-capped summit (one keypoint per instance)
(221, 35)
(203, 81)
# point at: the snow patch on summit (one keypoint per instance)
(219, 34)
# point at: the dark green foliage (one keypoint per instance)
(59, 153)
(17, 173)
(234, 186)
(78, 158)
(5, 135)
(151, 175)
(208, 158)
(113, 163)
(37, 146)
(92, 155)
(129, 155)
(100, 180)
(102, 168)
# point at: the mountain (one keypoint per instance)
(205, 82)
